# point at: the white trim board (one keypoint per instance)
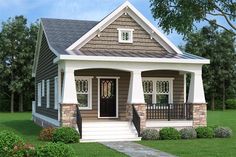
(125, 8)
(130, 59)
(117, 95)
(47, 119)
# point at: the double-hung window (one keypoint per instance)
(158, 90)
(48, 94)
(84, 92)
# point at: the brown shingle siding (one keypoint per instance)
(108, 39)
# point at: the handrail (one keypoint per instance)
(170, 111)
(136, 121)
(79, 121)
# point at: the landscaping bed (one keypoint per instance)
(210, 147)
(22, 125)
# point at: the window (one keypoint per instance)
(158, 90)
(43, 86)
(84, 92)
(39, 94)
(56, 102)
(125, 35)
(48, 94)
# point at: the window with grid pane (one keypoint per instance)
(84, 93)
(157, 90)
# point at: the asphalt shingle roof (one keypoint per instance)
(61, 33)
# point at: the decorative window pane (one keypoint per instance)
(148, 98)
(84, 94)
(107, 89)
(162, 98)
(162, 87)
(148, 86)
(83, 100)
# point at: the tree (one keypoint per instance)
(182, 15)
(218, 46)
(17, 44)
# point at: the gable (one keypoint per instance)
(108, 38)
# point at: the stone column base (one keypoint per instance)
(142, 112)
(199, 115)
(68, 115)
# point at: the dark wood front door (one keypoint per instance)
(107, 97)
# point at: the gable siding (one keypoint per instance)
(46, 70)
(108, 39)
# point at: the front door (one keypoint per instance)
(107, 97)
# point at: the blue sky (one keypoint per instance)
(73, 9)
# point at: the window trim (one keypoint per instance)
(154, 93)
(90, 92)
(48, 94)
(120, 39)
(43, 88)
(56, 97)
(39, 101)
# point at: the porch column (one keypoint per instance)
(136, 98)
(69, 98)
(197, 98)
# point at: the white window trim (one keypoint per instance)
(120, 30)
(90, 92)
(117, 90)
(39, 95)
(43, 88)
(48, 94)
(56, 98)
(155, 79)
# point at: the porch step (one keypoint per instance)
(111, 130)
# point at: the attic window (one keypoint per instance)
(125, 35)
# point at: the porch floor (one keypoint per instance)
(178, 124)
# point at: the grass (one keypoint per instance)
(22, 125)
(203, 147)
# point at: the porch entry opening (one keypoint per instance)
(107, 97)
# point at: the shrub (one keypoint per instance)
(65, 135)
(205, 132)
(55, 149)
(8, 140)
(222, 132)
(169, 134)
(188, 133)
(46, 134)
(23, 150)
(150, 134)
(230, 103)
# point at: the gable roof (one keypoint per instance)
(125, 8)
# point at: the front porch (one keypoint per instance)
(152, 96)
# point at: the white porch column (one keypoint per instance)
(196, 90)
(69, 89)
(136, 95)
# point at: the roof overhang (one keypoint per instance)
(130, 59)
(126, 8)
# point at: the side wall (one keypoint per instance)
(46, 70)
(178, 87)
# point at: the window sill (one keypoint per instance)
(85, 108)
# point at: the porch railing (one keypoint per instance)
(79, 121)
(136, 120)
(170, 111)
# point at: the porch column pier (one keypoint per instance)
(197, 98)
(136, 98)
(69, 99)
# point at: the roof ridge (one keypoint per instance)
(68, 19)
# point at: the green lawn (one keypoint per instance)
(203, 147)
(21, 124)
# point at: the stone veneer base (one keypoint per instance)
(199, 115)
(68, 115)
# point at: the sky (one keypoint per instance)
(74, 9)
